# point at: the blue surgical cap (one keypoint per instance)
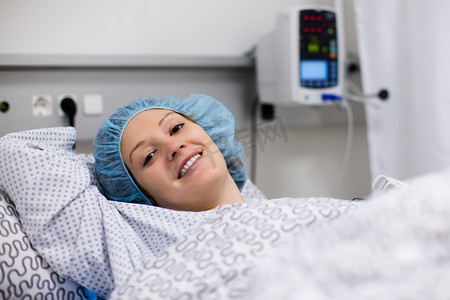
(208, 113)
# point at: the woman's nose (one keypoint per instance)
(176, 150)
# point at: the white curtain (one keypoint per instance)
(404, 46)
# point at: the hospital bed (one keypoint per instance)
(391, 246)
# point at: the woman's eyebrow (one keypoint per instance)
(165, 116)
(135, 147)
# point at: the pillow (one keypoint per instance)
(23, 272)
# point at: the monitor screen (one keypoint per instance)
(313, 70)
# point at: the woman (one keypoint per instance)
(176, 154)
(187, 166)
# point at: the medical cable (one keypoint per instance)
(357, 95)
(253, 132)
(350, 123)
(69, 107)
(344, 99)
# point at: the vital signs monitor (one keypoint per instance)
(301, 60)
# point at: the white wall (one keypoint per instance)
(145, 27)
(309, 164)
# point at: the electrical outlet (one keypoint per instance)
(61, 98)
(41, 105)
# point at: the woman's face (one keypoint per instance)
(173, 161)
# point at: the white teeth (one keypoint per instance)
(188, 164)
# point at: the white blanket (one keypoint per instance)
(395, 247)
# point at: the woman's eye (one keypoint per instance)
(148, 158)
(176, 128)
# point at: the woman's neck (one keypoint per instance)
(230, 193)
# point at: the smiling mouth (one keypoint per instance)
(188, 164)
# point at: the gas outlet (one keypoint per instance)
(4, 106)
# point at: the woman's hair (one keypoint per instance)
(187, 117)
(205, 111)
